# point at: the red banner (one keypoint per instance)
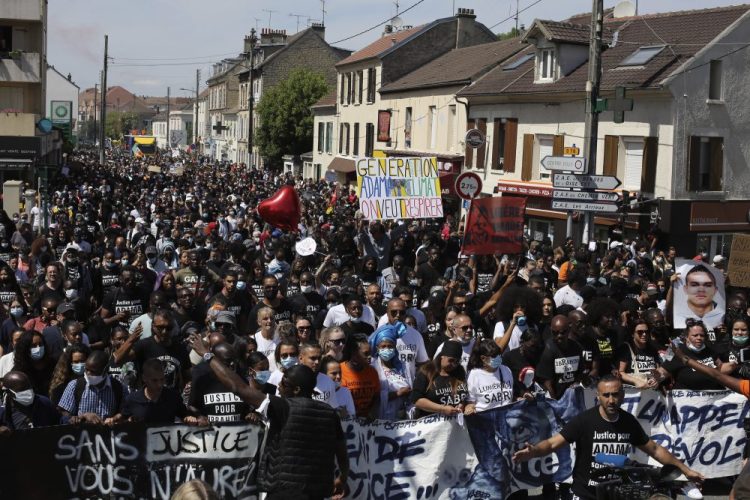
(495, 225)
(384, 126)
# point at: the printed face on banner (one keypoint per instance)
(495, 225)
(399, 188)
(698, 294)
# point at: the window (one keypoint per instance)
(369, 139)
(321, 136)
(360, 80)
(546, 69)
(347, 136)
(355, 138)
(341, 138)
(518, 62)
(371, 75)
(451, 126)
(407, 128)
(348, 88)
(498, 144)
(633, 164)
(642, 56)
(6, 39)
(706, 163)
(714, 84)
(342, 93)
(329, 137)
(432, 127)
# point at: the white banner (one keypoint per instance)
(422, 458)
(704, 429)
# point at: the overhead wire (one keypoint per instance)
(378, 25)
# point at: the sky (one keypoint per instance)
(155, 44)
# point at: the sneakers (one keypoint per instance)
(690, 490)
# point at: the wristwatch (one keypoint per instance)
(208, 356)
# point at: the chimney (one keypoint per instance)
(465, 27)
(319, 29)
(270, 36)
(248, 44)
(387, 29)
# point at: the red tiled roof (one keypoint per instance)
(380, 45)
(685, 33)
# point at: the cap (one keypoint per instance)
(276, 233)
(718, 259)
(65, 307)
(615, 244)
(151, 250)
(452, 349)
(226, 317)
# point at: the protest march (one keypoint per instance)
(263, 335)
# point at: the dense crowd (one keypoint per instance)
(394, 319)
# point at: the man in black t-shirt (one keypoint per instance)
(561, 364)
(210, 397)
(603, 429)
(126, 302)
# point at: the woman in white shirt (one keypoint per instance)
(490, 382)
(395, 383)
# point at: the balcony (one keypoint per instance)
(23, 67)
(26, 10)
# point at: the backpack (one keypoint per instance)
(117, 389)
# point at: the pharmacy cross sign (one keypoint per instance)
(219, 128)
(619, 105)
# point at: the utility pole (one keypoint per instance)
(169, 146)
(96, 96)
(197, 90)
(103, 118)
(516, 17)
(323, 10)
(251, 101)
(591, 133)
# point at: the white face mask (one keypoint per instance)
(354, 320)
(306, 288)
(93, 379)
(24, 398)
(71, 293)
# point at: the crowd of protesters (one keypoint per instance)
(392, 318)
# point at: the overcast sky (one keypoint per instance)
(176, 37)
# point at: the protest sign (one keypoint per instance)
(698, 294)
(704, 429)
(739, 261)
(399, 188)
(129, 461)
(494, 225)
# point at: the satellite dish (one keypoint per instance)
(626, 8)
(397, 22)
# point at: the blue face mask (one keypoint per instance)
(289, 362)
(694, 348)
(387, 353)
(740, 340)
(262, 376)
(496, 362)
(78, 368)
(241, 285)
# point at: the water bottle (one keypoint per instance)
(521, 321)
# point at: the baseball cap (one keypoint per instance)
(718, 259)
(226, 317)
(65, 307)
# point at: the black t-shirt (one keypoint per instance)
(134, 302)
(688, 378)
(237, 303)
(309, 304)
(429, 276)
(592, 434)
(174, 356)
(589, 352)
(606, 345)
(484, 282)
(440, 392)
(561, 365)
(516, 361)
(213, 399)
(353, 328)
(109, 280)
(8, 293)
(639, 361)
(282, 312)
(162, 411)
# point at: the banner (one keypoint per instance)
(704, 429)
(498, 433)
(399, 188)
(425, 459)
(739, 261)
(698, 294)
(129, 461)
(494, 225)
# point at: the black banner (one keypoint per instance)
(128, 461)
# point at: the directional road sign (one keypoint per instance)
(584, 196)
(585, 181)
(582, 206)
(564, 163)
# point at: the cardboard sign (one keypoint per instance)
(495, 225)
(739, 261)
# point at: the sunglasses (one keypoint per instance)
(692, 322)
(287, 355)
(641, 332)
(337, 341)
(397, 312)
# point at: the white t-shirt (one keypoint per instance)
(337, 315)
(467, 348)
(411, 350)
(6, 364)
(325, 388)
(268, 347)
(515, 335)
(345, 400)
(490, 389)
(567, 295)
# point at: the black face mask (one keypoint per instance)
(271, 293)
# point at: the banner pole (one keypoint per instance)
(466, 226)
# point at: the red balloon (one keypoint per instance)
(282, 210)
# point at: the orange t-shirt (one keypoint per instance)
(745, 388)
(363, 385)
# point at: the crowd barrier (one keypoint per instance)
(435, 457)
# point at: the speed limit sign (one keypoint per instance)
(468, 185)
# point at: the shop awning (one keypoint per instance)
(14, 163)
(343, 165)
(146, 141)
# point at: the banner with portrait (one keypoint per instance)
(698, 294)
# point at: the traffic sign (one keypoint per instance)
(582, 206)
(474, 138)
(571, 150)
(565, 163)
(585, 181)
(468, 185)
(584, 196)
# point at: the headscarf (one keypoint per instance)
(387, 332)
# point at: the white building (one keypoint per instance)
(181, 126)
(62, 97)
(159, 130)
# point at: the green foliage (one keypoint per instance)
(120, 123)
(286, 122)
(513, 33)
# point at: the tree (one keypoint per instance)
(513, 33)
(120, 123)
(286, 122)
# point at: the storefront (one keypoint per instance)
(18, 156)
